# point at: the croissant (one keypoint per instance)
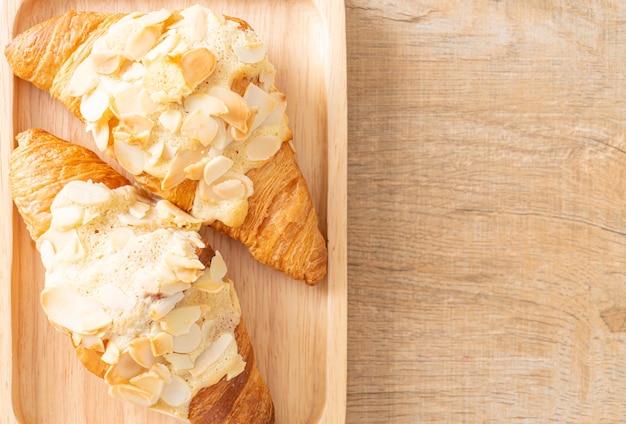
(185, 102)
(125, 278)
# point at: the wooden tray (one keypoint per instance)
(299, 332)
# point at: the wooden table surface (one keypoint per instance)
(486, 212)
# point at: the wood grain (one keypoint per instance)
(487, 220)
(298, 332)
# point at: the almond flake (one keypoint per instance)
(141, 41)
(199, 126)
(250, 53)
(161, 343)
(94, 104)
(83, 80)
(134, 100)
(150, 382)
(216, 168)
(263, 147)
(132, 394)
(154, 152)
(177, 261)
(137, 125)
(218, 267)
(278, 113)
(176, 170)
(94, 343)
(105, 63)
(69, 309)
(230, 189)
(180, 320)
(169, 289)
(100, 132)
(179, 361)
(197, 65)
(211, 354)
(86, 193)
(140, 350)
(176, 392)
(260, 100)
(155, 17)
(238, 111)
(123, 370)
(139, 209)
(163, 306)
(111, 354)
(130, 157)
(171, 120)
(208, 104)
(67, 217)
(187, 343)
(195, 171)
(47, 252)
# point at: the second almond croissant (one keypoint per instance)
(185, 101)
(126, 279)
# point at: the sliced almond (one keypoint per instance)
(130, 157)
(114, 298)
(204, 192)
(216, 168)
(238, 111)
(100, 132)
(259, 99)
(176, 392)
(178, 261)
(111, 354)
(263, 147)
(208, 104)
(222, 138)
(73, 311)
(155, 152)
(218, 267)
(162, 371)
(278, 113)
(137, 125)
(141, 41)
(199, 126)
(163, 306)
(176, 170)
(139, 209)
(239, 135)
(171, 120)
(105, 62)
(94, 104)
(195, 171)
(67, 217)
(197, 65)
(93, 343)
(155, 17)
(211, 354)
(180, 320)
(83, 80)
(132, 394)
(267, 78)
(161, 343)
(132, 71)
(134, 100)
(251, 52)
(47, 252)
(150, 382)
(169, 289)
(123, 370)
(179, 361)
(229, 189)
(86, 193)
(187, 343)
(140, 349)
(166, 46)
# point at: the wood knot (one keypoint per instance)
(615, 318)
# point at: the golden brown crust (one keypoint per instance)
(40, 166)
(281, 229)
(244, 399)
(54, 162)
(281, 226)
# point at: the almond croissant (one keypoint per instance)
(125, 278)
(185, 101)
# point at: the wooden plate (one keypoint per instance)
(298, 332)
